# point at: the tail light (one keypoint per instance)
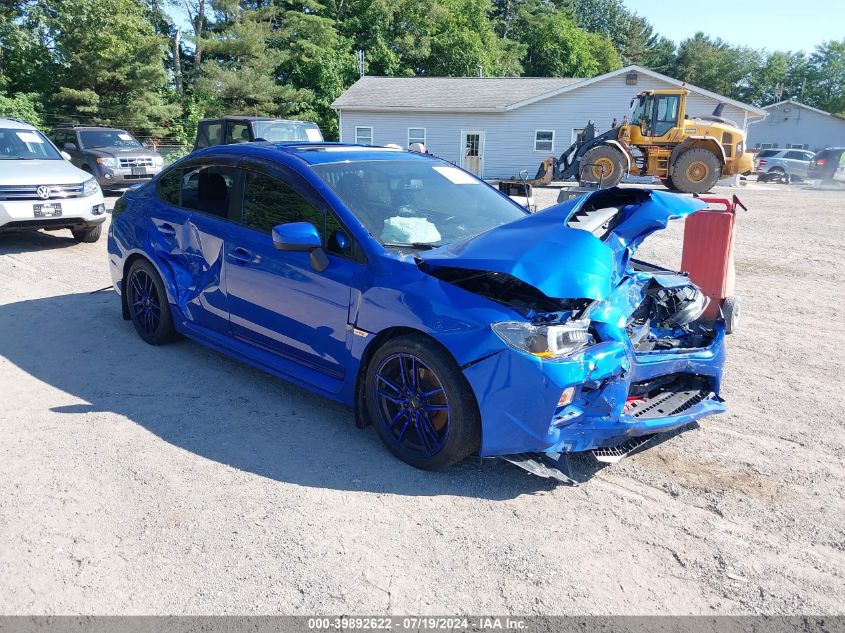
(820, 161)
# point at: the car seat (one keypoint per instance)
(213, 194)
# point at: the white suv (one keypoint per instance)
(41, 189)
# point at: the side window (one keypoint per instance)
(208, 189)
(209, 134)
(269, 202)
(237, 133)
(168, 187)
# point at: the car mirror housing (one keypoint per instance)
(301, 237)
(65, 155)
(70, 147)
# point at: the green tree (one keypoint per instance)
(556, 47)
(107, 62)
(825, 87)
(239, 68)
(441, 37)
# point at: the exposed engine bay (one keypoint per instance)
(506, 289)
(669, 316)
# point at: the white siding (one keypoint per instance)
(509, 136)
(790, 124)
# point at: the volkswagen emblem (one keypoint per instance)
(43, 192)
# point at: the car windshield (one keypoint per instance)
(286, 131)
(108, 138)
(418, 203)
(23, 144)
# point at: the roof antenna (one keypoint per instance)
(359, 58)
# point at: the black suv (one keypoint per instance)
(825, 163)
(245, 129)
(114, 157)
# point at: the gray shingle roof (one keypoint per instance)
(452, 93)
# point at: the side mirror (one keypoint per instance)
(301, 237)
(65, 155)
(70, 147)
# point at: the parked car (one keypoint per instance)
(113, 156)
(246, 129)
(782, 165)
(40, 189)
(446, 314)
(825, 163)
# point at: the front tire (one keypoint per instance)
(604, 163)
(89, 234)
(421, 404)
(149, 309)
(696, 171)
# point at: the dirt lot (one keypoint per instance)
(174, 480)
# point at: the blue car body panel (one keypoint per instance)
(272, 309)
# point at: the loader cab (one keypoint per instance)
(657, 114)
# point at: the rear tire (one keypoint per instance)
(89, 234)
(696, 171)
(421, 404)
(667, 182)
(149, 308)
(605, 156)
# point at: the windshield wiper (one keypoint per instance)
(420, 246)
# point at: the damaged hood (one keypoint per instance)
(577, 249)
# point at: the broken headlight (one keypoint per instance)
(546, 341)
(679, 306)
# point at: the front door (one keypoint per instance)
(472, 156)
(277, 300)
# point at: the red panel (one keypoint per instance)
(708, 254)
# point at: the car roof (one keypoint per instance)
(314, 153)
(86, 128)
(238, 117)
(15, 124)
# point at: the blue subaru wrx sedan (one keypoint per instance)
(446, 315)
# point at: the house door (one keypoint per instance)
(472, 155)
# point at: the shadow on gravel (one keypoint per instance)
(218, 408)
(33, 241)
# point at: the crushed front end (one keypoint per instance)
(652, 365)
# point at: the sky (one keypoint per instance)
(772, 24)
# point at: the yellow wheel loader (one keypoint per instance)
(686, 154)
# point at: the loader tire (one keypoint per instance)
(696, 171)
(603, 156)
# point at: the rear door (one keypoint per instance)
(277, 300)
(796, 163)
(211, 191)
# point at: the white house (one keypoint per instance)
(497, 126)
(793, 125)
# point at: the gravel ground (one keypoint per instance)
(173, 480)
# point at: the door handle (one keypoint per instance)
(241, 256)
(166, 229)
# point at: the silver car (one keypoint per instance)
(783, 165)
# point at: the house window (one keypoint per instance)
(544, 141)
(766, 145)
(794, 146)
(577, 135)
(416, 135)
(364, 135)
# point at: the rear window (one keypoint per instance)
(768, 153)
